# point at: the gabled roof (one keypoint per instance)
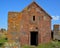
(39, 7)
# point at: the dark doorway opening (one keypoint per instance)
(52, 35)
(34, 38)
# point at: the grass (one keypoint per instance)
(53, 44)
(2, 41)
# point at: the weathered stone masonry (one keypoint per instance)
(32, 18)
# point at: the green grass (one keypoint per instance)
(53, 44)
(2, 41)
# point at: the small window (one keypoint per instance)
(36, 27)
(33, 18)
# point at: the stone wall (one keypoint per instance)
(20, 24)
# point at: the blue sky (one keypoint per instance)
(52, 7)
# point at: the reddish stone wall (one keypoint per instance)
(25, 24)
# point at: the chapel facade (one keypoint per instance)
(32, 26)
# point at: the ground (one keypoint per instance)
(52, 44)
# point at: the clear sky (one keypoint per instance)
(52, 7)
